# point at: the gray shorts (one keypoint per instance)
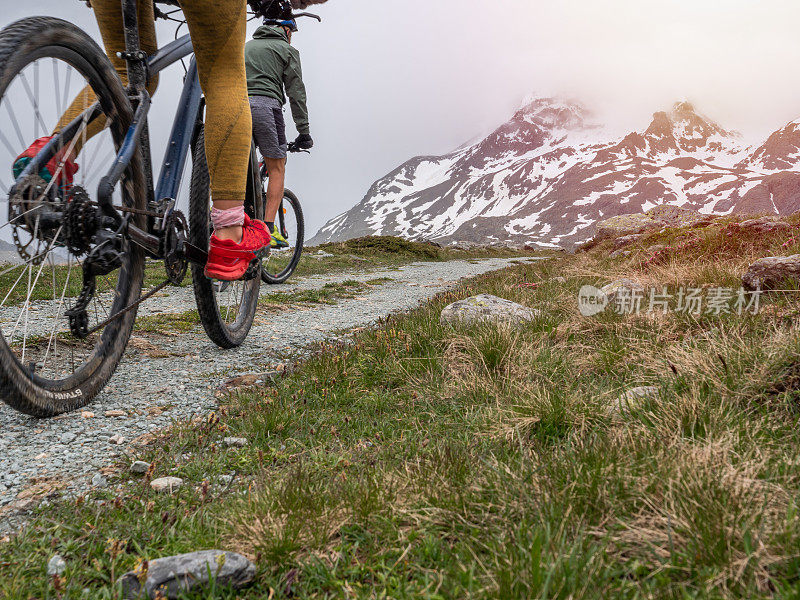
(269, 127)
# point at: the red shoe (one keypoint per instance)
(68, 170)
(229, 261)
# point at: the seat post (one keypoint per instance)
(133, 55)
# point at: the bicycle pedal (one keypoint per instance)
(254, 268)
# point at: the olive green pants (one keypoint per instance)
(218, 30)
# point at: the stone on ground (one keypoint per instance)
(487, 308)
(173, 576)
(621, 287)
(235, 442)
(772, 273)
(140, 467)
(621, 253)
(655, 218)
(99, 481)
(625, 225)
(632, 399)
(627, 240)
(56, 566)
(765, 224)
(166, 485)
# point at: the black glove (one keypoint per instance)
(304, 142)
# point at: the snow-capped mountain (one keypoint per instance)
(551, 172)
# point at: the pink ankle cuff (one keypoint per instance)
(232, 217)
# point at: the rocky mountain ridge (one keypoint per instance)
(550, 173)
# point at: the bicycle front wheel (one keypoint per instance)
(50, 71)
(283, 260)
(226, 309)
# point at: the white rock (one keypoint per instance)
(56, 566)
(772, 272)
(487, 308)
(99, 481)
(633, 399)
(175, 575)
(166, 485)
(235, 442)
(620, 288)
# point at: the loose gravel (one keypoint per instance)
(148, 394)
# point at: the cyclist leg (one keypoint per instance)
(108, 14)
(219, 29)
(276, 168)
(269, 131)
(109, 19)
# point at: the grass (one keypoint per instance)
(168, 322)
(362, 254)
(380, 252)
(68, 281)
(330, 293)
(423, 461)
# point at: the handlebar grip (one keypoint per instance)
(293, 148)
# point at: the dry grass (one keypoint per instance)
(424, 461)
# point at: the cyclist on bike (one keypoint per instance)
(273, 73)
(218, 30)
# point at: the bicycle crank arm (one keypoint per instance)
(155, 246)
(149, 242)
(194, 254)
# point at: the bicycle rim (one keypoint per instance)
(282, 261)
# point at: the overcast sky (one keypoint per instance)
(390, 79)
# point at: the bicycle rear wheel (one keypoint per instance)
(44, 369)
(227, 309)
(282, 262)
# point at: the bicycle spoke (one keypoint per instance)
(8, 145)
(14, 286)
(14, 122)
(89, 166)
(36, 88)
(57, 314)
(57, 87)
(26, 312)
(31, 288)
(35, 102)
(62, 109)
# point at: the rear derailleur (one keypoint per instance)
(107, 249)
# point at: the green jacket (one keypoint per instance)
(272, 65)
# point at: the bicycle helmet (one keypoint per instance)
(275, 12)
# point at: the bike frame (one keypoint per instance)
(185, 129)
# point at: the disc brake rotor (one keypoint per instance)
(24, 207)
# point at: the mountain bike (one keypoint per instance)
(282, 262)
(69, 302)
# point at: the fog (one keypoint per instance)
(391, 79)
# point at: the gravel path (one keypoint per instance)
(150, 391)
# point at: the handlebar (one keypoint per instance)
(308, 14)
